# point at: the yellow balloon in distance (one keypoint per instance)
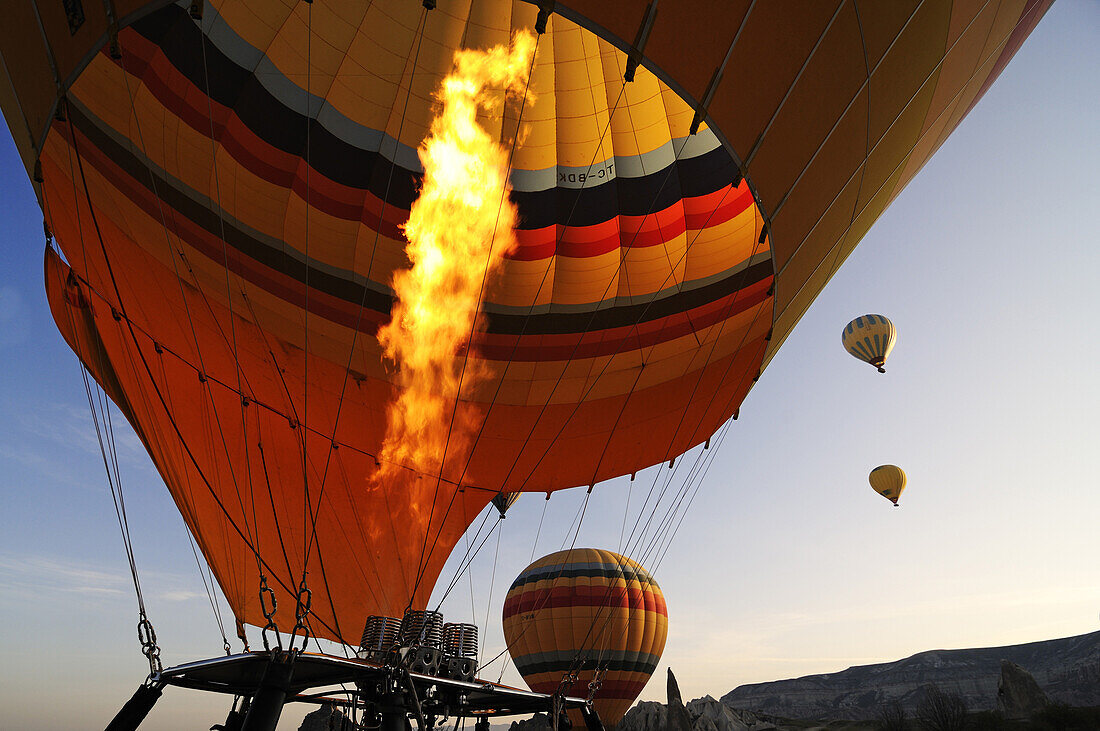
(889, 481)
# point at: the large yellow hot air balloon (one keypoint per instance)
(592, 612)
(870, 338)
(889, 481)
(228, 181)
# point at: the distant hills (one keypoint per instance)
(1068, 670)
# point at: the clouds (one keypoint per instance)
(34, 435)
(39, 579)
(13, 318)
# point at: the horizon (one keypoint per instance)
(787, 563)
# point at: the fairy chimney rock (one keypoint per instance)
(1018, 695)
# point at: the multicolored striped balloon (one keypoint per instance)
(587, 609)
(870, 338)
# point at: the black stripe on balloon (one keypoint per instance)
(562, 666)
(275, 258)
(178, 37)
(553, 572)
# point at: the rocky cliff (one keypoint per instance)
(706, 714)
(1067, 670)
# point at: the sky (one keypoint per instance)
(786, 563)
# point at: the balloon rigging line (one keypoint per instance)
(255, 319)
(156, 389)
(232, 324)
(209, 594)
(538, 532)
(492, 583)
(466, 537)
(728, 315)
(578, 661)
(463, 564)
(307, 504)
(698, 485)
(626, 512)
(424, 559)
(117, 500)
(274, 512)
(309, 514)
(171, 255)
(578, 520)
(698, 381)
(675, 502)
(187, 510)
(116, 490)
(362, 304)
(381, 585)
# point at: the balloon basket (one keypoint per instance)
(386, 694)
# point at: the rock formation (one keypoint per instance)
(1068, 670)
(325, 718)
(706, 714)
(678, 717)
(1018, 695)
(537, 722)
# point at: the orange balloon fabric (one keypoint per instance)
(227, 194)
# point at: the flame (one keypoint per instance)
(459, 229)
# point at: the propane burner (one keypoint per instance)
(380, 636)
(459, 639)
(421, 628)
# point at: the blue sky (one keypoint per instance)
(787, 563)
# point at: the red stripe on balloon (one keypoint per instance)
(584, 596)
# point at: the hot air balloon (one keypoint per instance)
(590, 612)
(230, 188)
(504, 500)
(889, 481)
(870, 338)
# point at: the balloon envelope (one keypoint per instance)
(888, 480)
(504, 500)
(587, 609)
(870, 338)
(228, 195)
